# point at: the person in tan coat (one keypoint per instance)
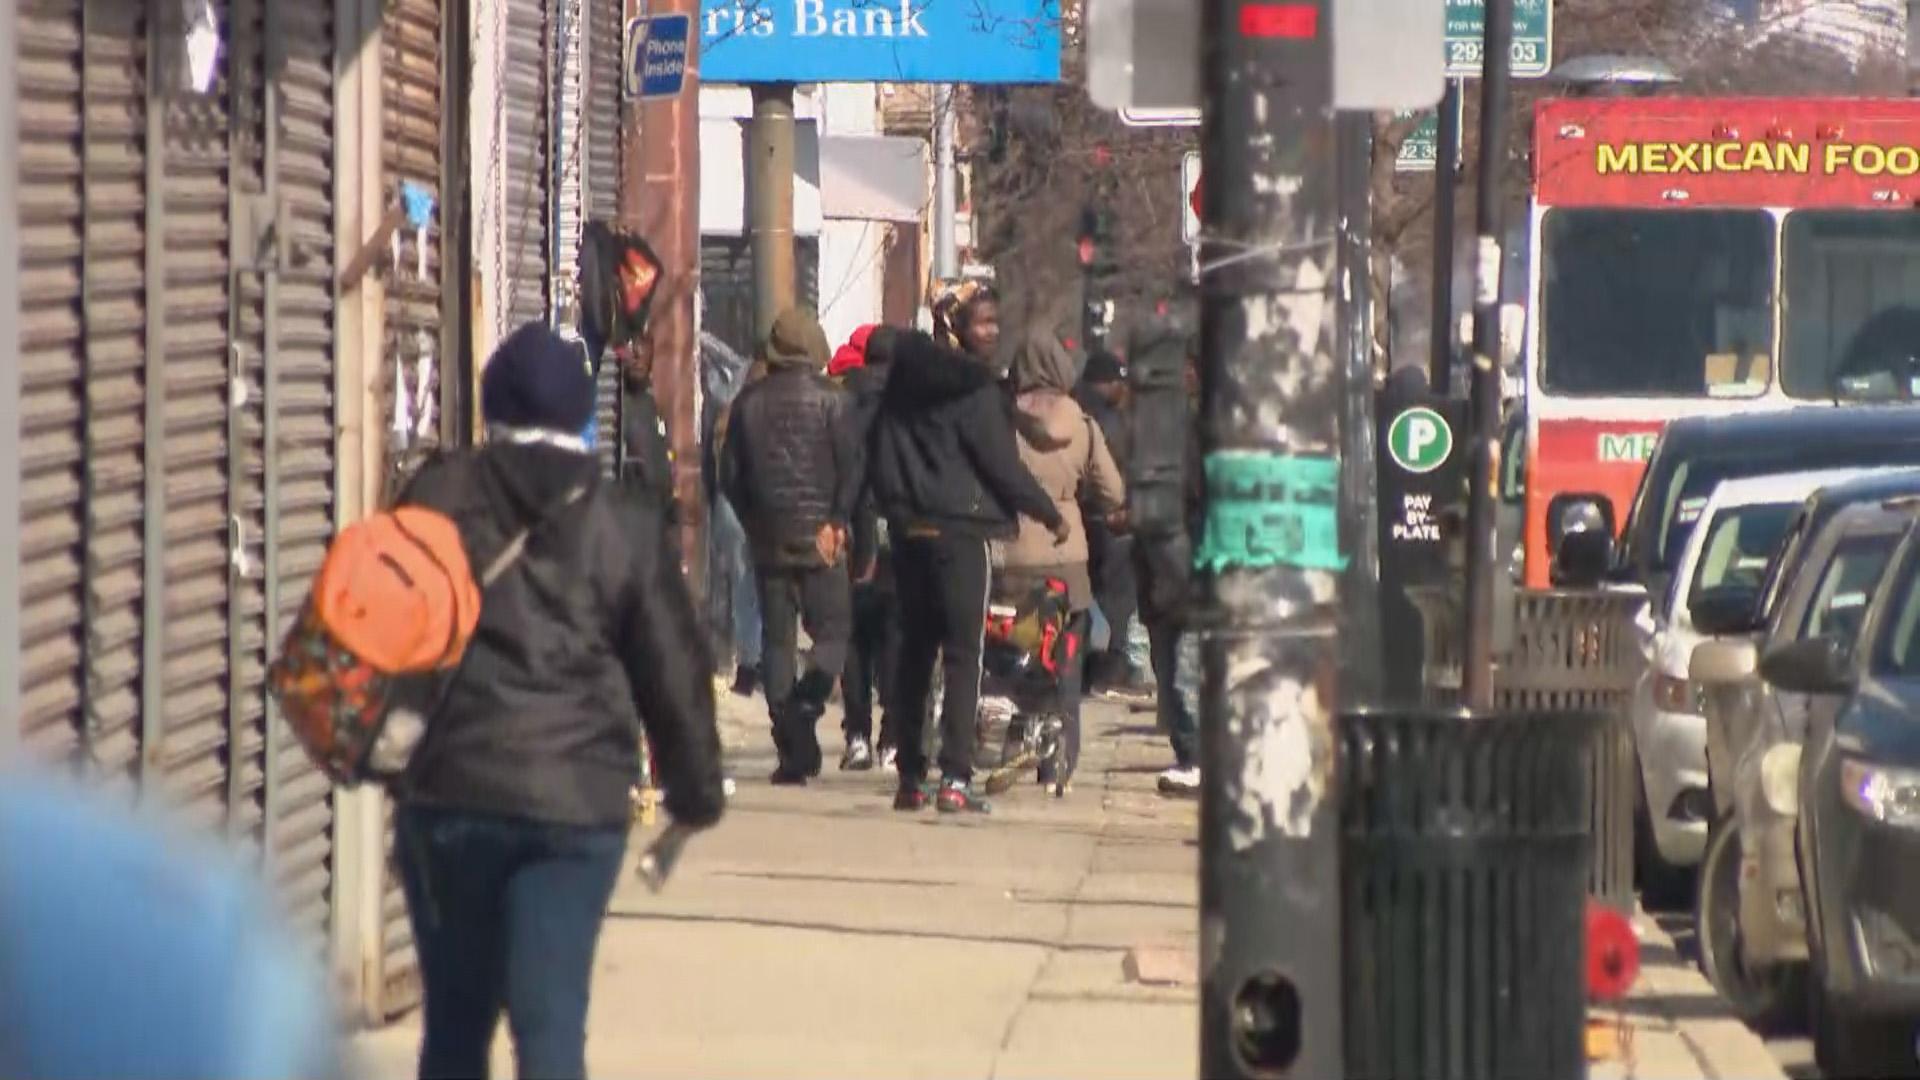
(1066, 452)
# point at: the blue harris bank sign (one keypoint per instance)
(958, 41)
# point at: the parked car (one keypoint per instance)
(1749, 918)
(1858, 837)
(1724, 563)
(1695, 453)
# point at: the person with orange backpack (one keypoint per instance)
(513, 810)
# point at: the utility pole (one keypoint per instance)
(1446, 179)
(660, 199)
(1270, 562)
(1482, 486)
(946, 251)
(770, 203)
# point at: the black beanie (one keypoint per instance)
(537, 379)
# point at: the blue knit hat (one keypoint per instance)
(537, 379)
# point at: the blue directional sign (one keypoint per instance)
(657, 55)
(931, 41)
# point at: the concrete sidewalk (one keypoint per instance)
(817, 933)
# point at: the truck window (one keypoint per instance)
(1657, 303)
(1851, 327)
(1898, 654)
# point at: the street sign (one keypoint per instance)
(923, 41)
(1387, 54)
(1419, 440)
(1532, 37)
(1422, 146)
(1421, 150)
(657, 56)
(1190, 205)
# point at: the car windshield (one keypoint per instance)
(1840, 604)
(1899, 653)
(1739, 544)
(1657, 303)
(1851, 321)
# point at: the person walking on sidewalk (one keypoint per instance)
(513, 814)
(1162, 562)
(862, 366)
(791, 467)
(1102, 393)
(945, 469)
(1067, 453)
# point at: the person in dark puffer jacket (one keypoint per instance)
(513, 815)
(946, 474)
(790, 465)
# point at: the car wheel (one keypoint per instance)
(1851, 1045)
(1768, 999)
(1664, 887)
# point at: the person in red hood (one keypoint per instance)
(851, 355)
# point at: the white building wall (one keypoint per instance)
(852, 255)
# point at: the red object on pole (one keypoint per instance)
(1297, 22)
(1086, 251)
(1613, 953)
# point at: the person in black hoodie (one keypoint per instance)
(790, 464)
(946, 473)
(871, 660)
(513, 814)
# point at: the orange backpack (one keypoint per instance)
(385, 628)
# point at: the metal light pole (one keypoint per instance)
(946, 254)
(1270, 561)
(1483, 483)
(1446, 181)
(770, 204)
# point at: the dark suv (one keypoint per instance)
(1858, 792)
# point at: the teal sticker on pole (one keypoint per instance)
(1267, 509)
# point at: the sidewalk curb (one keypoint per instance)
(1669, 1037)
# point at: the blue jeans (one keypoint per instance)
(506, 914)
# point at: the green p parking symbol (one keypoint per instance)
(1419, 440)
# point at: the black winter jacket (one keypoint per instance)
(942, 453)
(649, 457)
(588, 636)
(790, 463)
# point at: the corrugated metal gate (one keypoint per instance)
(601, 127)
(726, 286)
(177, 413)
(526, 105)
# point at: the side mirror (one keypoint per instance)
(1583, 559)
(1815, 666)
(1721, 612)
(1720, 662)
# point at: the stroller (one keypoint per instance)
(1028, 647)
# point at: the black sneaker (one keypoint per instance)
(957, 797)
(912, 797)
(859, 756)
(746, 680)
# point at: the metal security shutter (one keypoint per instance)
(525, 102)
(603, 134)
(411, 74)
(726, 286)
(53, 401)
(413, 82)
(192, 335)
(300, 418)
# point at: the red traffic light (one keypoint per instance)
(1086, 251)
(1193, 198)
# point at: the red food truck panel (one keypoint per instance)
(1727, 152)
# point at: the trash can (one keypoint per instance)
(1466, 842)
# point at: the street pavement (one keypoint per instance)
(817, 933)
